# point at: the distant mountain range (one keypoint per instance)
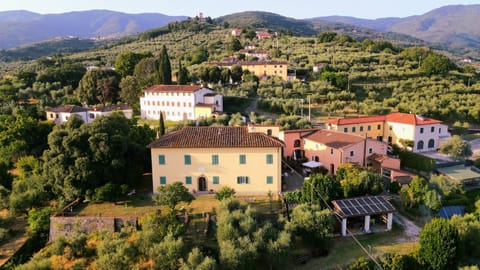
(449, 26)
(452, 26)
(23, 27)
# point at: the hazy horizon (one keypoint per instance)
(368, 9)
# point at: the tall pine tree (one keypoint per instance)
(164, 71)
(182, 74)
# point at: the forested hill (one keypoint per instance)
(22, 27)
(279, 23)
(454, 26)
(272, 21)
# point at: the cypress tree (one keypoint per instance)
(165, 69)
(182, 74)
(161, 126)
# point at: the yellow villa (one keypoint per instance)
(209, 158)
(261, 69)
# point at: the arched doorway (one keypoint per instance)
(202, 183)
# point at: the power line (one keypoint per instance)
(338, 219)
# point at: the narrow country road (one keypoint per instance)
(411, 229)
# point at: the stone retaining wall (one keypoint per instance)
(65, 226)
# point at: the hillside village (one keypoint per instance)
(213, 147)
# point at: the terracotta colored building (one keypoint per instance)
(423, 133)
(329, 147)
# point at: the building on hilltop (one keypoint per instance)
(259, 54)
(419, 132)
(209, 158)
(61, 114)
(180, 102)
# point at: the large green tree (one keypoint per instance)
(164, 67)
(130, 90)
(439, 245)
(320, 188)
(126, 61)
(99, 85)
(312, 223)
(85, 156)
(436, 64)
(457, 148)
(172, 194)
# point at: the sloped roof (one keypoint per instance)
(334, 139)
(68, 109)
(116, 107)
(403, 118)
(215, 137)
(356, 120)
(411, 119)
(173, 88)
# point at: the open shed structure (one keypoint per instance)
(364, 207)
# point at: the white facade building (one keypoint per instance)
(60, 114)
(179, 102)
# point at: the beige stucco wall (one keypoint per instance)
(229, 167)
(260, 70)
(373, 133)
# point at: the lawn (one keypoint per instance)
(141, 204)
(344, 250)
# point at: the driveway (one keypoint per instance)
(411, 230)
(475, 144)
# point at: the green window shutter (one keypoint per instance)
(246, 180)
(243, 159)
(216, 180)
(161, 159)
(269, 159)
(163, 180)
(214, 159)
(269, 179)
(188, 180)
(188, 159)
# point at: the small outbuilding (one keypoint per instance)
(364, 207)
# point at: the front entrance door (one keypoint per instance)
(202, 184)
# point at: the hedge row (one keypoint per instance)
(417, 162)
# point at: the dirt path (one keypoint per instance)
(411, 229)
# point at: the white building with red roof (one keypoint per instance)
(420, 133)
(61, 114)
(179, 102)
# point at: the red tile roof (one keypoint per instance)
(356, 120)
(249, 63)
(334, 139)
(68, 109)
(173, 88)
(411, 119)
(404, 118)
(215, 137)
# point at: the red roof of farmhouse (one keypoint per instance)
(215, 137)
(403, 118)
(173, 88)
(334, 139)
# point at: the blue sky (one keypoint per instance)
(370, 9)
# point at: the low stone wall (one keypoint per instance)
(65, 226)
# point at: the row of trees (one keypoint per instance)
(350, 181)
